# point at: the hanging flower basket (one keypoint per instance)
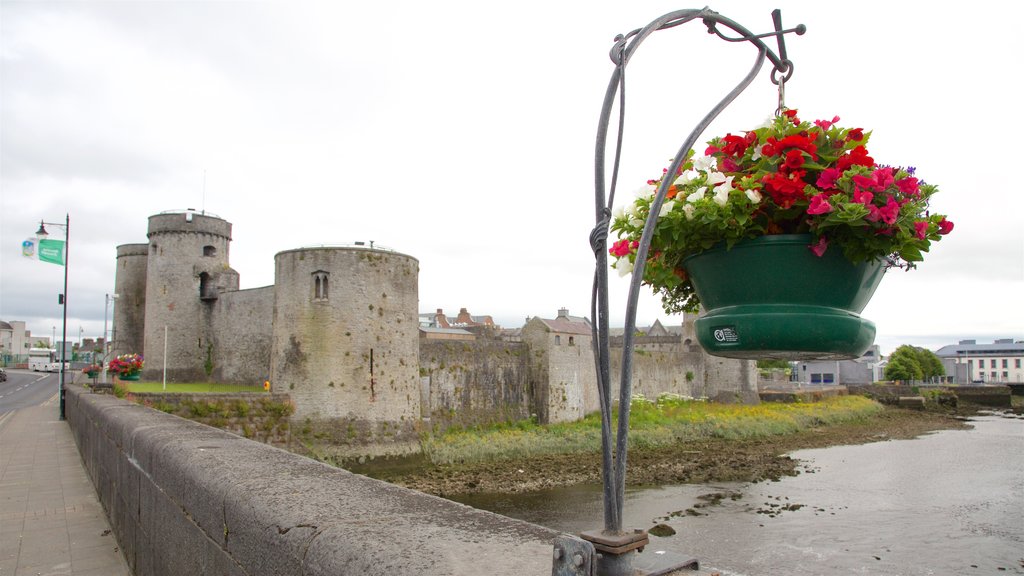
(811, 195)
(127, 366)
(770, 297)
(132, 377)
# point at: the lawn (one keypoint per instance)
(187, 387)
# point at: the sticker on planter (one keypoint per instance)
(727, 335)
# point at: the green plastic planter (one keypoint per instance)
(771, 297)
(133, 377)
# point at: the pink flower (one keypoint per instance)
(945, 226)
(826, 124)
(828, 177)
(819, 205)
(890, 211)
(908, 186)
(820, 247)
(864, 198)
(921, 229)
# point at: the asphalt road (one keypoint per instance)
(24, 388)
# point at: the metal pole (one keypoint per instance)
(165, 357)
(64, 327)
(103, 356)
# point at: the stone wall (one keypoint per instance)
(253, 415)
(242, 336)
(475, 382)
(129, 313)
(184, 498)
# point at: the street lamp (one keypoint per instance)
(106, 342)
(64, 301)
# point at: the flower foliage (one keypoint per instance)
(126, 364)
(786, 177)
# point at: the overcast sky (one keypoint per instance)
(462, 133)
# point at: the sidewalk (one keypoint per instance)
(51, 522)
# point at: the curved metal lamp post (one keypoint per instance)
(610, 552)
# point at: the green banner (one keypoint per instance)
(51, 251)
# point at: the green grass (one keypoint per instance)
(188, 387)
(652, 424)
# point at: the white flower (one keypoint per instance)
(666, 208)
(715, 178)
(624, 266)
(705, 163)
(754, 196)
(636, 222)
(688, 210)
(629, 210)
(685, 178)
(646, 191)
(618, 212)
(757, 153)
(721, 195)
(697, 194)
(726, 185)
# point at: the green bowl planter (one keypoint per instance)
(771, 297)
(130, 376)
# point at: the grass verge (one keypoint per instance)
(653, 424)
(187, 387)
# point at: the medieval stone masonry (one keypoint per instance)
(339, 333)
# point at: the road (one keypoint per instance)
(24, 388)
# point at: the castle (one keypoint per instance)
(339, 332)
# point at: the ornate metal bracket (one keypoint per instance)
(617, 560)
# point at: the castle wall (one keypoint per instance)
(665, 369)
(242, 336)
(129, 318)
(348, 358)
(475, 382)
(188, 253)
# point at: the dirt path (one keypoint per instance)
(699, 462)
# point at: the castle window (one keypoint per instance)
(207, 290)
(572, 341)
(209, 251)
(320, 285)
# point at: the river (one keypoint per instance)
(948, 503)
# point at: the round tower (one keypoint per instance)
(187, 267)
(128, 329)
(346, 342)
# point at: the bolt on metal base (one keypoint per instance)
(596, 553)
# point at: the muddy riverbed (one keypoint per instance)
(692, 463)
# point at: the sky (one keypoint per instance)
(462, 133)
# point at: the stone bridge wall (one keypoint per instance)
(184, 498)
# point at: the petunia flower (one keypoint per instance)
(820, 247)
(945, 226)
(754, 195)
(819, 205)
(697, 194)
(705, 163)
(921, 229)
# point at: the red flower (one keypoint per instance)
(800, 142)
(785, 189)
(826, 124)
(856, 134)
(734, 145)
(620, 248)
(794, 159)
(864, 198)
(857, 157)
(791, 114)
(890, 211)
(945, 226)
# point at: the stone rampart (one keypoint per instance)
(242, 336)
(184, 498)
(475, 382)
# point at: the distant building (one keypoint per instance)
(867, 369)
(997, 362)
(15, 341)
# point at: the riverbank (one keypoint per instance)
(698, 461)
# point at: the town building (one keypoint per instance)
(998, 362)
(867, 369)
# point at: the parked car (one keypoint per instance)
(3, 375)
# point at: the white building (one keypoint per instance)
(995, 363)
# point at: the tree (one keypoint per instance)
(913, 363)
(766, 364)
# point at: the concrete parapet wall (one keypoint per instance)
(184, 498)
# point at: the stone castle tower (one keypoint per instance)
(338, 331)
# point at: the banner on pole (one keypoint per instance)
(44, 250)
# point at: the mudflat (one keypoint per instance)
(703, 461)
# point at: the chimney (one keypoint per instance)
(563, 313)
